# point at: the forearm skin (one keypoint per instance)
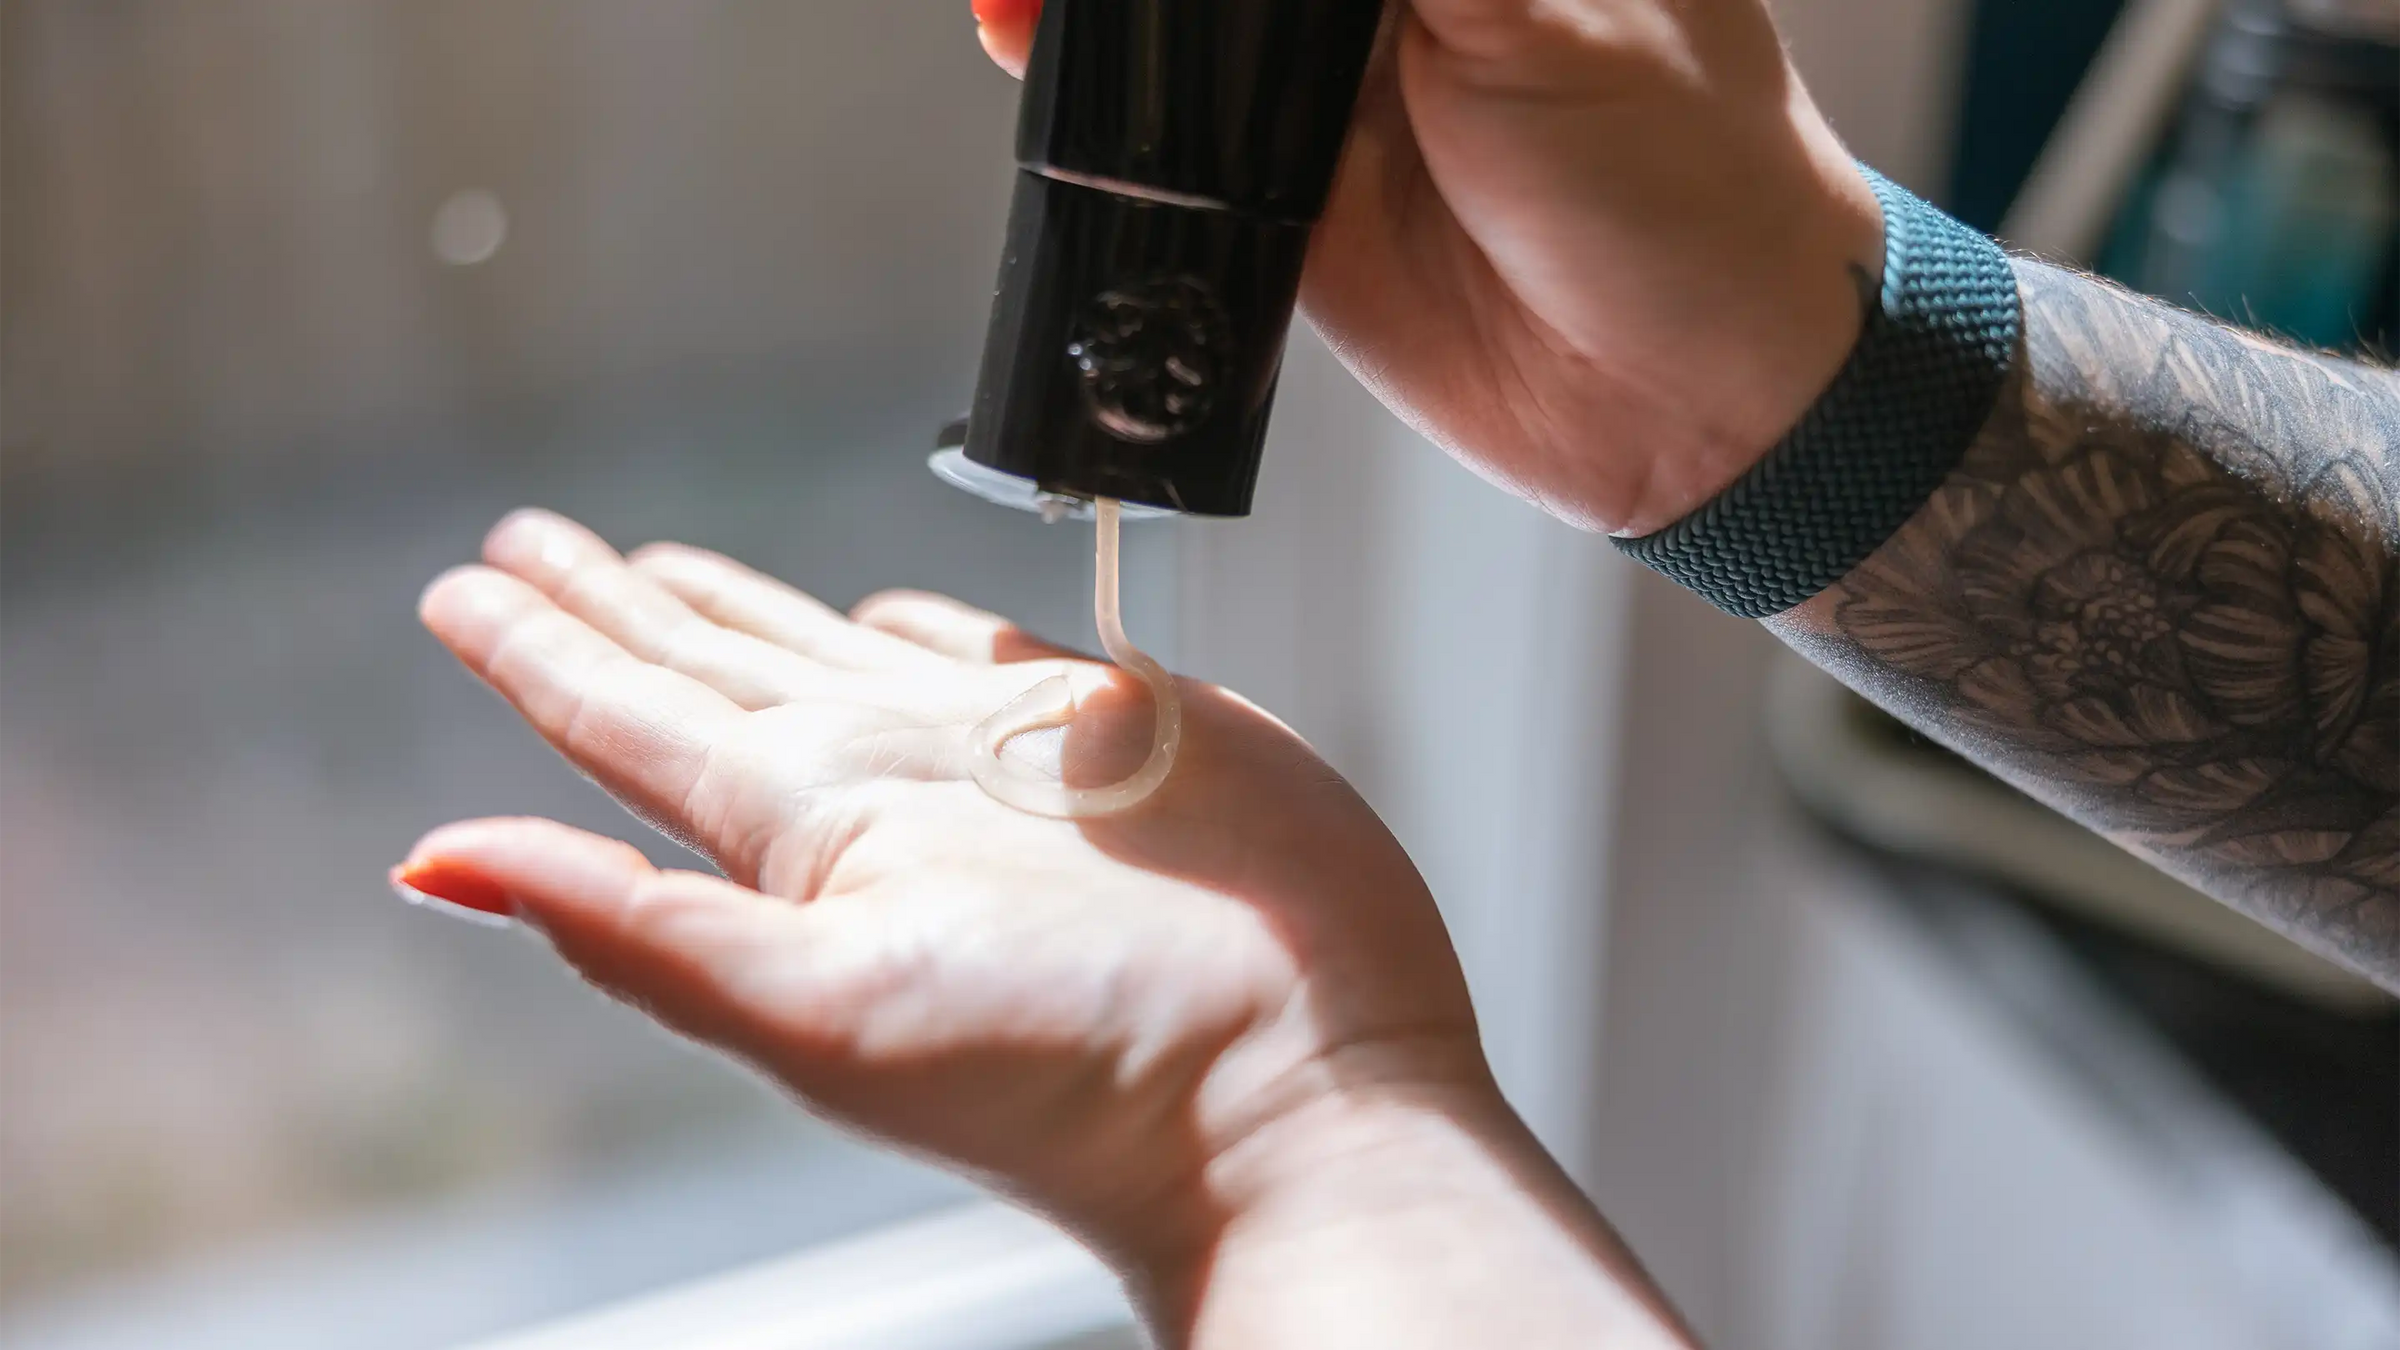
(2162, 594)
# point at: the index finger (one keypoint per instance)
(643, 731)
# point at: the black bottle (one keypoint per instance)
(1172, 155)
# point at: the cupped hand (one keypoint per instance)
(1605, 251)
(1091, 1016)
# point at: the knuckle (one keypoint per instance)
(885, 602)
(688, 645)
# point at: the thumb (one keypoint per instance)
(709, 959)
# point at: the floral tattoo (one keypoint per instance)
(2162, 594)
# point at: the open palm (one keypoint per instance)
(1082, 1013)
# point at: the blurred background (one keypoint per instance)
(300, 298)
(301, 295)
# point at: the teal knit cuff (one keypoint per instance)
(1896, 420)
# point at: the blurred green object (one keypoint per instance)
(2024, 59)
(2275, 202)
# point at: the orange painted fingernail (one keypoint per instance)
(441, 885)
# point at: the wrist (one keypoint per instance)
(1908, 401)
(1809, 286)
(1361, 1160)
(1423, 1216)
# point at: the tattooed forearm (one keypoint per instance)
(2163, 594)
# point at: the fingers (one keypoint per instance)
(954, 629)
(643, 731)
(686, 946)
(585, 577)
(743, 600)
(1006, 30)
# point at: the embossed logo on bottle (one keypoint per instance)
(1151, 354)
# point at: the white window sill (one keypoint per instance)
(978, 1277)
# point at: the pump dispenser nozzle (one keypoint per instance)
(1172, 156)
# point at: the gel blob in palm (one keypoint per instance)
(1051, 703)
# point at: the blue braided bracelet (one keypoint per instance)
(1917, 388)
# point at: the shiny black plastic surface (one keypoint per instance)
(1174, 154)
(1242, 103)
(1134, 347)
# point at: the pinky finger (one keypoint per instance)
(680, 945)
